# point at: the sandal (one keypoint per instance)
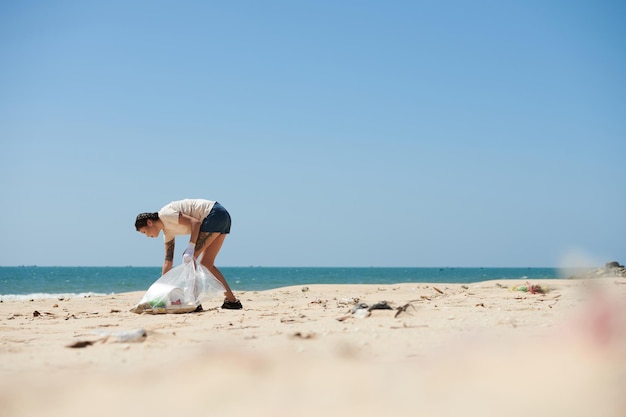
(232, 305)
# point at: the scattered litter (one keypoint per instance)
(357, 307)
(382, 305)
(531, 288)
(38, 314)
(81, 344)
(305, 289)
(301, 335)
(438, 290)
(362, 313)
(348, 300)
(403, 309)
(480, 305)
(363, 310)
(138, 335)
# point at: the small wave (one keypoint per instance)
(43, 296)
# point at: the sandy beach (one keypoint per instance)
(478, 349)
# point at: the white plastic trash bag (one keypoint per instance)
(180, 290)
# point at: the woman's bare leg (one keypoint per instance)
(212, 246)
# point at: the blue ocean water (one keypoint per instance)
(29, 282)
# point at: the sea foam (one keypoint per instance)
(44, 296)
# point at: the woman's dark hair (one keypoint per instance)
(142, 219)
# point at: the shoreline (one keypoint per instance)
(299, 350)
(89, 294)
(21, 282)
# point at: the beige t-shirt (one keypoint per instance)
(196, 208)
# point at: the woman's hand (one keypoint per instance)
(188, 254)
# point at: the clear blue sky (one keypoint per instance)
(337, 133)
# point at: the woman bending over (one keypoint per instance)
(206, 222)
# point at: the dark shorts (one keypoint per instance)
(218, 220)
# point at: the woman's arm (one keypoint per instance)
(169, 257)
(193, 223)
